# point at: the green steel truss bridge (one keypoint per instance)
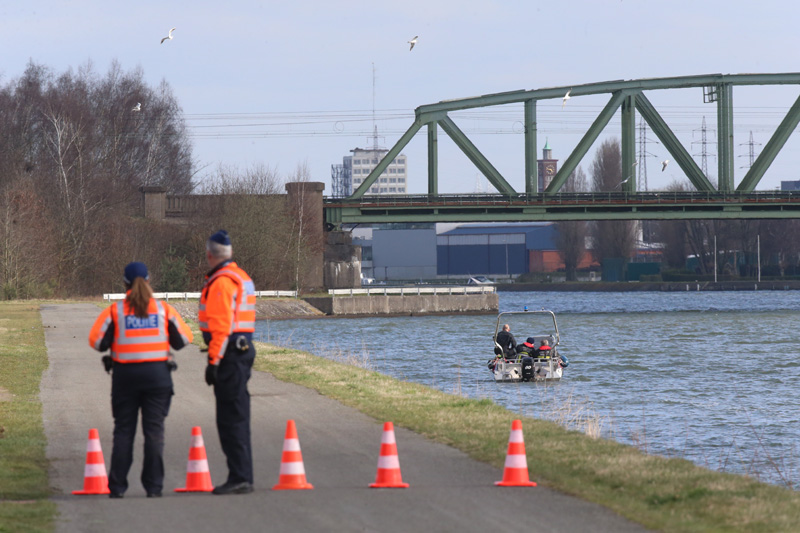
(707, 202)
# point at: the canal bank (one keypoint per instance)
(360, 305)
(657, 286)
(664, 494)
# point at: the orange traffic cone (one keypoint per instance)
(388, 476)
(293, 474)
(95, 479)
(515, 473)
(198, 477)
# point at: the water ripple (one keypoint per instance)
(709, 376)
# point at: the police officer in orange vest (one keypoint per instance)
(139, 330)
(227, 318)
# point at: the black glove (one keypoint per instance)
(211, 374)
(108, 363)
(172, 365)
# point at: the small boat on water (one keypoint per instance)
(541, 361)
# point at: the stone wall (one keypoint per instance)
(305, 200)
(424, 304)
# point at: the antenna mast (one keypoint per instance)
(374, 126)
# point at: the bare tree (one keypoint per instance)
(571, 235)
(673, 234)
(305, 231)
(27, 246)
(76, 138)
(250, 205)
(612, 238)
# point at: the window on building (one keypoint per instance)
(383, 189)
(366, 253)
(392, 180)
(392, 189)
(356, 161)
(392, 171)
(401, 171)
(383, 180)
(401, 161)
(356, 171)
(401, 189)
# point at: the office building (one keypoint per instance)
(355, 168)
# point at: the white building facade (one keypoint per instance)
(393, 180)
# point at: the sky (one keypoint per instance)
(283, 84)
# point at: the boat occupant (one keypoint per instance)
(527, 347)
(544, 350)
(507, 342)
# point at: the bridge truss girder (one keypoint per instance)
(627, 94)
(566, 206)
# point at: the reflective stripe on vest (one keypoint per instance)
(243, 303)
(140, 339)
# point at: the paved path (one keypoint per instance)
(449, 491)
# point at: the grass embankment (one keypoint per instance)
(24, 484)
(660, 493)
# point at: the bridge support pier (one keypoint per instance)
(341, 261)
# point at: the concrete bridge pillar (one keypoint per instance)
(342, 261)
(154, 202)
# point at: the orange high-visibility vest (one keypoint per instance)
(138, 339)
(227, 306)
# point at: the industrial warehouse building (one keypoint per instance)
(497, 250)
(413, 252)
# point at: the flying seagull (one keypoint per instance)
(412, 42)
(664, 164)
(168, 37)
(137, 107)
(564, 100)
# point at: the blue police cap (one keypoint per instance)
(135, 270)
(221, 237)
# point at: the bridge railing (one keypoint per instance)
(167, 296)
(571, 198)
(407, 291)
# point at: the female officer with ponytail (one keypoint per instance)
(139, 331)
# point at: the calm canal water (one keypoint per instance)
(711, 377)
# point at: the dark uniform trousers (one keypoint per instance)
(233, 409)
(146, 387)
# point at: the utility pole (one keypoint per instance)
(751, 155)
(703, 142)
(641, 182)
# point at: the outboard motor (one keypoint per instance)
(527, 369)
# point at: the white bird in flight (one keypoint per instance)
(564, 100)
(137, 107)
(412, 42)
(168, 37)
(664, 164)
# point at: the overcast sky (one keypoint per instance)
(286, 83)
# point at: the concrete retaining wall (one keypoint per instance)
(425, 304)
